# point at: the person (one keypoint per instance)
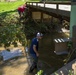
(34, 51)
(21, 9)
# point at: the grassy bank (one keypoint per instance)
(8, 6)
(10, 18)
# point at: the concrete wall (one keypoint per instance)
(41, 16)
(46, 16)
(36, 15)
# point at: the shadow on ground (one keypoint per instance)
(17, 66)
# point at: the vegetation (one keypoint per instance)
(70, 72)
(57, 0)
(32, 28)
(34, 0)
(11, 31)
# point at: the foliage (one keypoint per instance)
(70, 72)
(11, 18)
(11, 34)
(11, 30)
(32, 28)
(34, 0)
(56, 0)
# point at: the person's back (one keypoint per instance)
(34, 42)
(21, 9)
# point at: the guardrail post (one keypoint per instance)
(41, 16)
(36, 4)
(57, 8)
(44, 5)
(32, 3)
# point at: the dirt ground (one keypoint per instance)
(18, 66)
(15, 66)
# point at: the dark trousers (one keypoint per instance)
(34, 63)
(19, 13)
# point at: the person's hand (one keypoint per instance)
(37, 54)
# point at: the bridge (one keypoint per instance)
(59, 10)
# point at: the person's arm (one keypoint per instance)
(34, 47)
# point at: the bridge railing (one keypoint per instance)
(66, 6)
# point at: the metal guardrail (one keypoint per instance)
(66, 6)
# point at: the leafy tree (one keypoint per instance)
(11, 31)
(11, 34)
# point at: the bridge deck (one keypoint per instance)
(56, 9)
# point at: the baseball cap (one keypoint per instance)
(39, 34)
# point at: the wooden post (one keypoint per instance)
(41, 16)
(36, 4)
(44, 5)
(57, 8)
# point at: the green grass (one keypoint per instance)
(33, 0)
(10, 6)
